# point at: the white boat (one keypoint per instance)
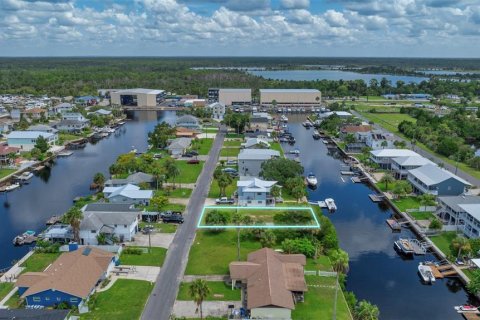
(26, 175)
(284, 118)
(425, 273)
(294, 151)
(12, 187)
(330, 203)
(312, 179)
(466, 308)
(133, 150)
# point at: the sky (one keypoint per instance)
(349, 28)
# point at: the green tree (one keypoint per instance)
(461, 244)
(366, 311)
(102, 238)
(223, 181)
(275, 191)
(427, 200)
(267, 238)
(159, 202)
(281, 169)
(349, 138)
(172, 170)
(42, 144)
(158, 138)
(199, 291)
(339, 260)
(384, 144)
(299, 245)
(240, 220)
(99, 179)
(435, 224)
(386, 179)
(474, 284)
(74, 217)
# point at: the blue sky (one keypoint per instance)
(378, 28)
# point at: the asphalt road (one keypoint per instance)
(474, 181)
(164, 293)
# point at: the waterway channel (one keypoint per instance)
(53, 189)
(377, 272)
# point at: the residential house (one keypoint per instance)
(128, 193)
(378, 139)
(37, 314)
(362, 130)
(26, 140)
(135, 179)
(42, 128)
(188, 121)
(5, 152)
(383, 157)
(262, 134)
(117, 220)
(250, 160)
(472, 220)
(73, 116)
(178, 146)
(256, 143)
(450, 211)
(15, 114)
(401, 165)
(436, 181)
(60, 108)
(181, 132)
(71, 279)
(35, 113)
(272, 282)
(72, 125)
(255, 192)
(87, 100)
(103, 112)
(6, 125)
(218, 110)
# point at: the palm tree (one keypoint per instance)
(461, 244)
(239, 220)
(199, 291)
(173, 172)
(367, 311)
(74, 217)
(99, 179)
(387, 178)
(339, 259)
(427, 199)
(223, 181)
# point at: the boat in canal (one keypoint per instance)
(466, 308)
(330, 203)
(27, 237)
(284, 118)
(10, 187)
(312, 180)
(294, 151)
(316, 135)
(404, 246)
(426, 273)
(27, 175)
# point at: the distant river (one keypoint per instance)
(312, 75)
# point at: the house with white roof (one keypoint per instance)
(383, 157)
(26, 140)
(450, 211)
(255, 192)
(378, 139)
(436, 181)
(472, 219)
(250, 160)
(401, 165)
(42, 128)
(256, 143)
(128, 194)
(60, 108)
(178, 146)
(77, 116)
(188, 121)
(218, 110)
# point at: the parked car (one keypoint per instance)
(187, 155)
(225, 200)
(193, 161)
(232, 162)
(230, 170)
(169, 213)
(193, 152)
(173, 218)
(158, 156)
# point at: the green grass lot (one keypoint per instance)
(212, 252)
(389, 121)
(407, 203)
(161, 227)
(263, 215)
(379, 107)
(322, 263)
(175, 193)
(123, 301)
(277, 146)
(232, 143)
(202, 146)
(170, 206)
(5, 288)
(15, 301)
(155, 258)
(381, 186)
(188, 172)
(443, 241)
(219, 291)
(319, 300)
(5, 172)
(420, 215)
(66, 137)
(229, 152)
(235, 135)
(39, 262)
(215, 190)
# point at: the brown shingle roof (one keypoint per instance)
(4, 150)
(353, 129)
(75, 273)
(271, 277)
(35, 110)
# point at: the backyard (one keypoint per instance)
(215, 190)
(219, 291)
(154, 258)
(229, 152)
(443, 241)
(407, 203)
(5, 172)
(277, 146)
(202, 146)
(5, 288)
(38, 262)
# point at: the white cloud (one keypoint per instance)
(294, 4)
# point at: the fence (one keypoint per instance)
(320, 273)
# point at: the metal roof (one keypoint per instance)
(431, 174)
(28, 135)
(394, 153)
(412, 161)
(140, 91)
(257, 154)
(472, 209)
(454, 202)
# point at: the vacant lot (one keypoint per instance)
(154, 258)
(219, 291)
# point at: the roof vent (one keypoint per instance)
(86, 251)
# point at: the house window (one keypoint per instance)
(47, 298)
(73, 299)
(93, 231)
(259, 201)
(259, 193)
(249, 201)
(36, 299)
(58, 299)
(124, 225)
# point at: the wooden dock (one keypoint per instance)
(471, 315)
(394, 225)
(443, 271)
(347, 173)
(376, 197)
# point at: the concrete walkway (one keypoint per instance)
(183, 201)
(213, 277)
(12, 274)
(210, 308)
(161, 240)
(178, 185)
(144, 273)
(7, 297)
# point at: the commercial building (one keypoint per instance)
(290, 97)
(230, 96)
(137, 97)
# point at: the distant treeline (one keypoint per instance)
(81, 76)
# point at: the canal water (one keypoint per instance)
(52, 190)
(377, 272)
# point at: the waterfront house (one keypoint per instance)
(450, 211)
(378, 139)
(181, 132)
(361, 130)
(271, 282)
(135, 179)
(178, 146)
(250, 160)
(30, 314)
(102, 112)
(383, 157)
(73, 126)
(255, 192)
(6, 125)
(436, 181)
(87, 100)
(76, 116)
(128, 193)
(401, 165)
(218, 110)
(42, 128)
(70, 279)
(472, 219)
(35, 113)
(114, 220)
(5, 154)
(262, 134)
(26, 140)
(188, 121)
(256, 143)
(60, 108)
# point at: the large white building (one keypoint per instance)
(229, 96)
(290, 97)
(137, 97)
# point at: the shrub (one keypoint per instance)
(299, 245)
(135, 251)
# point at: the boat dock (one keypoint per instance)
(419, 248)
(376, 197)
(394, 225)
(347, 173)
(53, 220)
(471, 315)
(443, 271)
(65, 153)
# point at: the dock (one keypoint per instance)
(471, 315)
(394, 225)
(376, 197)
(65, 153)
(53, 220)
(419, 248)
(347, 173)
(443, 271)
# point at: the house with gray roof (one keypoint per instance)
(188, 121)
(72, 125)
(450, 210)
(128, 194)
(383, 157)
(256, 143)
(178, 146)
(250, 160)
(135, 179)
(401, 165)
(218, 110)
(26, 140)
(255, 192)
(471, 228)
(60, 108)
(42, 128)
(113, 220)
(436, 181)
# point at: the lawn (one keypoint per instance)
(421, 215)
(229, 152)
(188, 172)
(66, 137)
(318, 302)
(5, 172)
(161, 227)
(211, 252)
(5, 288)
(235, 135)
(391, 185)
(407, 203)
(15, 301)
(38, 262)
(219, 291)
(232, 143)
(202, 146)
(389, 121)
(155, 258)
(277, 146)
(175, 193)
(443, 241)
(215, 190)
(322, 263)
(125, 300)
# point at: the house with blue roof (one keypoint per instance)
(26, 140)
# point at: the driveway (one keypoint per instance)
(145, 273)
(210, 308)
(199, 157)
(162, 240)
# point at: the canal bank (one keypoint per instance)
(377, 272)
(52, 190)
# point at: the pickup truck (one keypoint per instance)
(173, 218)
(224, 200)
